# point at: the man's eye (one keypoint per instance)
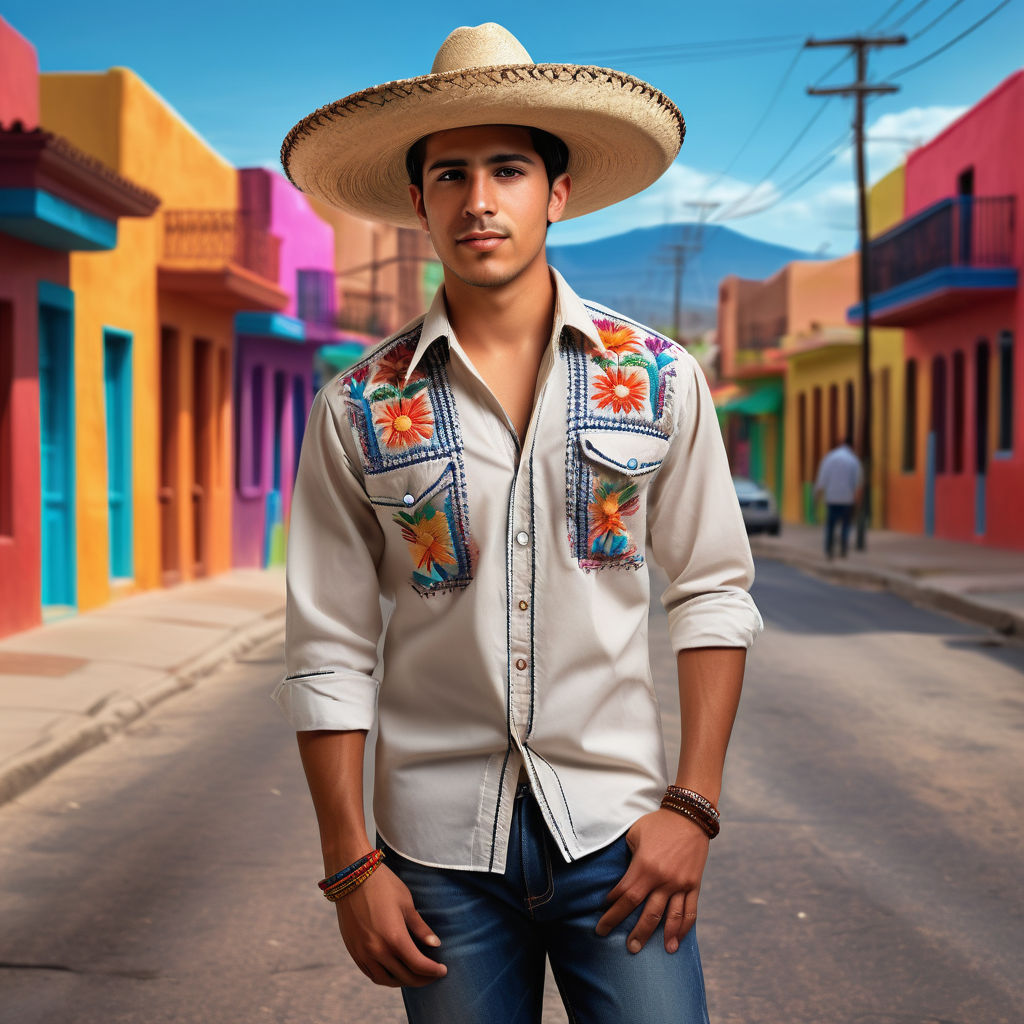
(445, 176)
(513, 171)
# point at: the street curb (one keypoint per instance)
(980, 612)
(26, 770)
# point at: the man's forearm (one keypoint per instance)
(710, 680)
(333, 763)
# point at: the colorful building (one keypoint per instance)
(154, 337)
(56, 202)
(274, 379)
(948, 275)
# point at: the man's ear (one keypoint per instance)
(416, 195)
(560, 189)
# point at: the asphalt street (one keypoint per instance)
(868, 868)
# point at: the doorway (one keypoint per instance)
(117, 391)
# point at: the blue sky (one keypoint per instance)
(242, 74)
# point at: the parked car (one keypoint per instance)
(760, 512)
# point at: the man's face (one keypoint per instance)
(486, 202)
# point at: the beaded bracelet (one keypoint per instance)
(344, 881)
(694, 806)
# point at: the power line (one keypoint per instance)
(931, 24)
(761, 120)
(700, 45)
(909, 14)
(738, 203)
(952, 42)
(878, 21)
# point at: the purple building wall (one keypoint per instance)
(274, 365)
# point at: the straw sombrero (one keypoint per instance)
(621, 132)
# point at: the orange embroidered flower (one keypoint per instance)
(406, 422)
(608, 534)
(429, 538)
(391, 367)
(617, 338)
(624, 388)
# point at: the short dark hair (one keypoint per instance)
(550, 148)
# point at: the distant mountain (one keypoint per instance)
(633, 272)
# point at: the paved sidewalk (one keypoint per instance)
(982, 584)
(68, 685)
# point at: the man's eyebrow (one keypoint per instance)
(498, 158)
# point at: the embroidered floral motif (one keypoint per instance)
(617, 338)
(623, 389)
(428, 533)
(608, 536)
(624, 385)
(405, 422)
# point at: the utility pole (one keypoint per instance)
(860, 45)
(691, 241)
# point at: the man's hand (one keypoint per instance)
(669, 854)
(378, 923)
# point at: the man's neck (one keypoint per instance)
(516, 316)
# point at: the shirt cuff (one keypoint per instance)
(717, 619)
(328, 700)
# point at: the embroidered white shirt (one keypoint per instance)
(509, 583)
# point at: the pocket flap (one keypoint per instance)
(409, 486)
(626, 451)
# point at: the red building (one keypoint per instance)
(949, 275)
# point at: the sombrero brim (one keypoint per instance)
(621, 132)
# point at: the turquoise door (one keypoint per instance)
(57, 460)
(117, 389)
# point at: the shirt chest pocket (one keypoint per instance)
(423, 511)
(607, 494)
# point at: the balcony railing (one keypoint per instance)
(367, 313)
(761, 334)
(965, 231)
(221, 236)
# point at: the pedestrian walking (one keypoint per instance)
(475, 503)
(840, 478)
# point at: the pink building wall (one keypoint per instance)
(19, 79)
(987, 139)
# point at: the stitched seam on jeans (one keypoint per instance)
(537, 901)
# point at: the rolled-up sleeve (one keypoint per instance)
(696, 530)
(333, 617)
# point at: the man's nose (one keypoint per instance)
(480, 199)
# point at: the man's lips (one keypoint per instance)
(483, 241)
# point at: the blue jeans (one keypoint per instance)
(496, 929)
(841, 514)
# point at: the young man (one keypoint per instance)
(497, 472)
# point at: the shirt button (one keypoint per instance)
(522, 537)
(523, 605)
(520, 664)
(409, 499)
(632, 464)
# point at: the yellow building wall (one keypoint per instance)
(885, 201)
(119, 119)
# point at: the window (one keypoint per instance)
(981, 406)
(833, 415)
(816, 431)
(959, 383)
(256, 427)
(1006, 391)
(801, 435)
(6, 417)
(851, 409)
(939, 411)
(910, 416)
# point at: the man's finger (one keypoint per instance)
(419, 928)
(690, 911)
(674, 921)
(400, 973)
(623, 906)
(404, 949)
(650, 918)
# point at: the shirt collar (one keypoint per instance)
(569, 312)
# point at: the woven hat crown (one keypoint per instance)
(479, 46)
